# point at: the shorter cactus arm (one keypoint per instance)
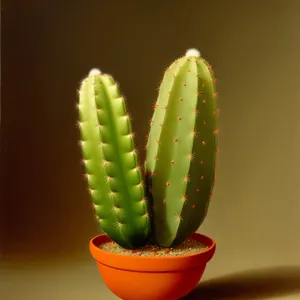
(93, 159)
(109, 145)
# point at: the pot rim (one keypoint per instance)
(152, 263)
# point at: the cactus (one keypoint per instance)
(112, 163)
(181, 149)
(180, 156)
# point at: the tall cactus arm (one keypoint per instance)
(181, 149)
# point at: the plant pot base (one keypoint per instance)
(150, 286)
(151, 278)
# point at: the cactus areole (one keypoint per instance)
(171, 202)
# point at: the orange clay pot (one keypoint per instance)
(151, 278)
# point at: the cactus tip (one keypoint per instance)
(192, 52)
(94, 72)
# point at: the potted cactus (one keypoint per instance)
(150, 249)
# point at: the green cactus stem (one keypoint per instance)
(112, 163)
(181, 149)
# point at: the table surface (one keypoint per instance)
(79, 279)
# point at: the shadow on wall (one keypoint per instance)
(252, 284)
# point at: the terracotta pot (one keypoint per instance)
(151, 278)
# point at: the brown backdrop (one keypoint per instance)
(49, 46)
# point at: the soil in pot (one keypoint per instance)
(189, 246)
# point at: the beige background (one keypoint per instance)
(46, 218)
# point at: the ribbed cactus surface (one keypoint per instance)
(111, 162)
(181, 149)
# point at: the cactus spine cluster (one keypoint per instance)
(181, 149)
(180, 156)
(111, 162)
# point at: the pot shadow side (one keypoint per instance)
(252, 284)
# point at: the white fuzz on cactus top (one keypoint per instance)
(192, 52)
(94, 72)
